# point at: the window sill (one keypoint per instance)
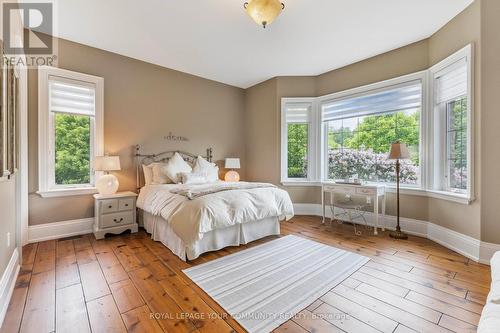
(450, 196)
(300, 183)
(443, 195)
(67, 192)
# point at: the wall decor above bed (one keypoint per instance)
(171, 137)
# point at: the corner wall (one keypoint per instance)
(143, 103)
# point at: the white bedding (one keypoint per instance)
(190, 219)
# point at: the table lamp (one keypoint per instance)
(107, 184)
(232, 176)
(398, 152)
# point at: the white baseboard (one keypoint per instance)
(48, 231)
(7, 283)
(487, 251)
(465, 245)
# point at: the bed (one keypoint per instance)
(191, 219)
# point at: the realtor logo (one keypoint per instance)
(37, 19)
(35, 44)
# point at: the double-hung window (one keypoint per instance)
(297, 138)
(70, 131)
(452, 85)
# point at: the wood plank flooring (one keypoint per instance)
(129, 283)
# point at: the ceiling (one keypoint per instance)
(215, 39)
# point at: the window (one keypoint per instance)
(452, 123)
(456, 144)
(360, 130)
(348, 134)
(297, 136)
(70, 131)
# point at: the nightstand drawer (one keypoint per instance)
(109, 206)
(126, 204)
(113, 220)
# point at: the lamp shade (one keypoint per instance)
(107, 163)
(399, 151)
(232, 163)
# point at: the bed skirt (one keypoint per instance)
(161, 231)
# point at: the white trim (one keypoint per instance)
(7, 283)
(465, 245)
(66, 192)
(300, 183)
(46, 129)
(22, 180)
(416, 191)
(487, 251)
(460, 243)
(48, 231)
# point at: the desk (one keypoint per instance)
(375, 192)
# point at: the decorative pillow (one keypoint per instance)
(209, 170)
(148, 174)
(159, 175)
(193, 178)
(175, 167)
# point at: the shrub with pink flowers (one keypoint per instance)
(369, 166)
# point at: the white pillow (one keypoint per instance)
(193, 178)
(159, 175)
(209, 170)
(175, 167)
(148, 174)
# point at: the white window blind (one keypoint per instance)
(298, 113)
(451, 82)
(69, 97)
(397, 98)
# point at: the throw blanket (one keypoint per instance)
(191, 219)
(202, 190)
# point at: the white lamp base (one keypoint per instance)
(107, 184)
(232, 176)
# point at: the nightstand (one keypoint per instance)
(114, 213)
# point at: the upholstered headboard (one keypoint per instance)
(147, 159)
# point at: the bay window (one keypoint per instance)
(70, 131)
(348, 134)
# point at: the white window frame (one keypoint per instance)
(387, 84)
(439, 185)
(46, 132)
(312, 154)
(431, 141)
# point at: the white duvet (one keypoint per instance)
(190, 219)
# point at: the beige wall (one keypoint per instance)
(408, 59)
(490, 121)
(462, 30)
(143, 103)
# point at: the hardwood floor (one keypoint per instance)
(130, 283)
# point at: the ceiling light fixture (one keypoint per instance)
(264, 12)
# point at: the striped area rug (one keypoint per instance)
(267, 285)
